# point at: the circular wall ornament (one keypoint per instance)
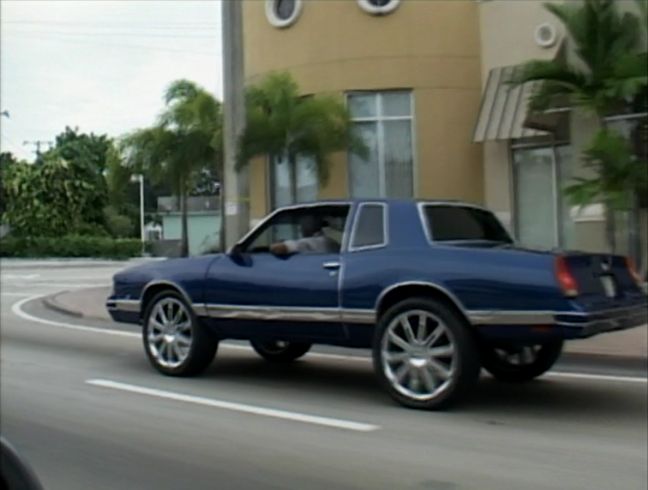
(545, 35)
(379, 7)
(283, 13)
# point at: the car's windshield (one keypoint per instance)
(456, 223)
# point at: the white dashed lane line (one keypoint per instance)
(236, 407)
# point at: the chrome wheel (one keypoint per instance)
(275, 346)
(170, 332)
(280, 350)
(519, 363)
(520, 356)
(418, 355)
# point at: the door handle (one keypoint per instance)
(332, 266)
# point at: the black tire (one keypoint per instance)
(280, 352)
(202, 345)
(499, 360)
(456, 340)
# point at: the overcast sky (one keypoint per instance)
(101, 66)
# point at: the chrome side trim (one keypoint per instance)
(603, 313)
(351, 315)
(289, 313)
(198, 308)
(498, 317)
(542, 317)
(385, 219)
(441, 289)
(130, 305)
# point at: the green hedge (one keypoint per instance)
(70, 246)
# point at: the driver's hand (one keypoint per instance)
(279, 249)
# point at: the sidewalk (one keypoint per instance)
(633, 343)
(11, 263)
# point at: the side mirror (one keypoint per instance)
(235, 251)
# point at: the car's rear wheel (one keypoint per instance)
(175, 342)
(280, 351)
(516, 364)
(424, 354)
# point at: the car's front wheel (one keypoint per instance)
(280, 351)
(516, 364)
(175, 342)
(424, 354)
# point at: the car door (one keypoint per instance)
(254, 292)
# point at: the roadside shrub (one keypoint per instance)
(70, 246)
(119, 225)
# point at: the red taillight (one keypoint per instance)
(565, 279)
(632, 269)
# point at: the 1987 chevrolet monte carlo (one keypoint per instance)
(436, 289)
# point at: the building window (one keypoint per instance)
(384, 121)
(378, 7)
(283, 13)
(542, 212)
(293, 184)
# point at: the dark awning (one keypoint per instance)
(504, 109)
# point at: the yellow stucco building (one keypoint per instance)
(425, 83)
(410, 72)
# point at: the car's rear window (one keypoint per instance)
(450, 223)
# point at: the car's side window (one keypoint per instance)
(370, 228)
(312, 229)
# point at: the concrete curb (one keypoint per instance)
(10, 263)
(51, 303)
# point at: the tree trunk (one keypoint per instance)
(292, 172)
(610, 227)
(184, 235)
(634, 238)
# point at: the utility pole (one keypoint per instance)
(37, 144)
(234, 197)
(140, 179)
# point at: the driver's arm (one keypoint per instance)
(287, 247)
(279, 248)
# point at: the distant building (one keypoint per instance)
(204, 224)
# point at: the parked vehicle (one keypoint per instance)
(436, 289)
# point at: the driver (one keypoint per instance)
(313, 239)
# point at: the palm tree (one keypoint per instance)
(610, 70)
(609, 75)
(185, 140)
(285, 125)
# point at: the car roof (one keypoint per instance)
(356, 200)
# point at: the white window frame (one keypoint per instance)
(557, 197)
(378, 119)
(294, 184)
(278, 22)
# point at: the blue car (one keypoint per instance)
(436, 289)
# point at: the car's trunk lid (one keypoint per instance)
(603, 279)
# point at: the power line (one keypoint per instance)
(120, 45)
(117, 24)
(204, 35)
(37, 144)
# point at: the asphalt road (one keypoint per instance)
(80, 402)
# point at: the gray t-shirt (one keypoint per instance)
(316, 244)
